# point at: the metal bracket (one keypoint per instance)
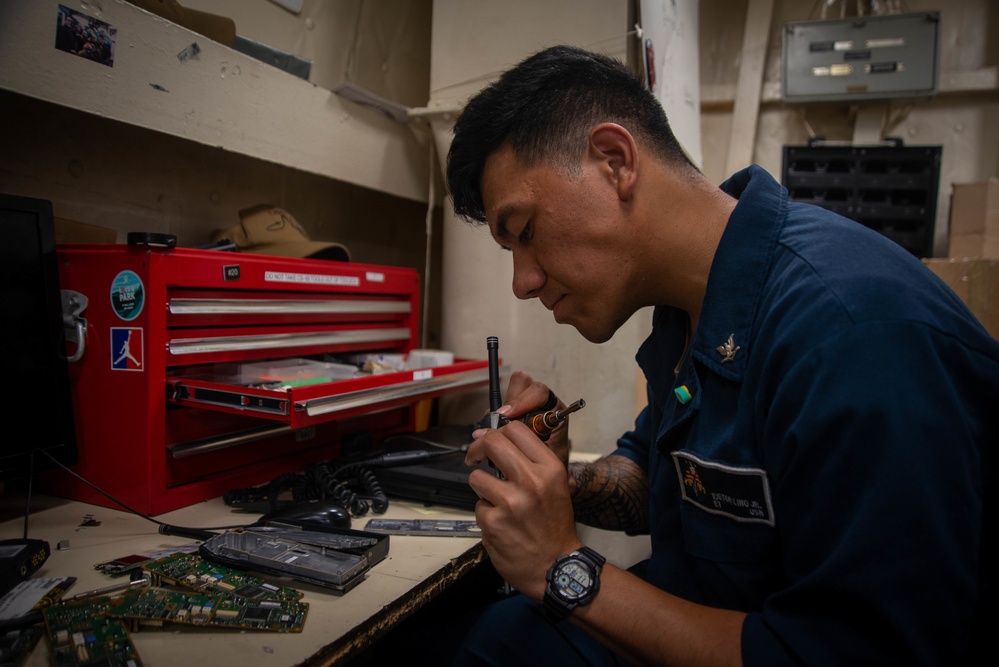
(75, 326)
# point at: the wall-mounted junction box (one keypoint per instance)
(861, 58)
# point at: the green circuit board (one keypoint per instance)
(124, 565)
(82, 633)
(95, 631)
(157, 607)
(191, 571)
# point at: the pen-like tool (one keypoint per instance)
(494, 419)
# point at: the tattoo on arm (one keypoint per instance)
(611, 493)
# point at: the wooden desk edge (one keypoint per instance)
(365, 634)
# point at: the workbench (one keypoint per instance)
(337, 628)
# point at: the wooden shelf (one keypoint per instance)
(218, 97)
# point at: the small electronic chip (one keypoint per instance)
(123, 565)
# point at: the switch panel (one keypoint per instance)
(872, 57)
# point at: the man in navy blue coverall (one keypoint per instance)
(816, 464)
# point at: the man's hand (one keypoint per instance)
(526, 516)
(524, 395)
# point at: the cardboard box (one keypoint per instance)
(974, 220)
(976, 281)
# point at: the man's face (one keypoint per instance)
(567, 238)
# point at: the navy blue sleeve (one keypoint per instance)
(874, 442)
(635, 443)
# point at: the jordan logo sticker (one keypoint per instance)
(126, 348)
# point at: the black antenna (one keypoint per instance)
(495, 397)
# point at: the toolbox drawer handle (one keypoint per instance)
(185, 306)
(186, 449)
(180, 346)
(365, 397)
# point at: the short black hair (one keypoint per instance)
(544, 108)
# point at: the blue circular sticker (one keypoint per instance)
(127, 295)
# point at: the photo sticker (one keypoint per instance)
(85, 36)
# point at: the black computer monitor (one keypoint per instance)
(35, 397)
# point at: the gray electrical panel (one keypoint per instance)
(861, 58)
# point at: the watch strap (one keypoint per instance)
(555, 611)
(595, 558)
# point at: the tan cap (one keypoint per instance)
(268, 230)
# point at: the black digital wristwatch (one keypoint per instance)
(573, 581)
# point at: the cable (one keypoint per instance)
(334, 484)
(351, 484)
(414, 437)
(318, 483)
(164, 528)
(265, 497)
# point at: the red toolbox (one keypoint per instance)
(172, 397)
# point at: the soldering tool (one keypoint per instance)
(543, 423)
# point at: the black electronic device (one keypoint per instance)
(442, 480)
(19, 559)
(337, 560)
(319, 515)
(35, 399)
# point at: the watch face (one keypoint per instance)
(572, 580)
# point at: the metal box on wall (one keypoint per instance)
(861, 58)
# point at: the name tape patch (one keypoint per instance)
(740, 493)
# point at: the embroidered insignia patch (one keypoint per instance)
(740, 493)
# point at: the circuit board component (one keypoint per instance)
(82, 633)
(159, 607)
(193, 572)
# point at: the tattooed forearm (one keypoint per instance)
(611, 493)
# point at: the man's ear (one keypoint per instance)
(617, 153)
